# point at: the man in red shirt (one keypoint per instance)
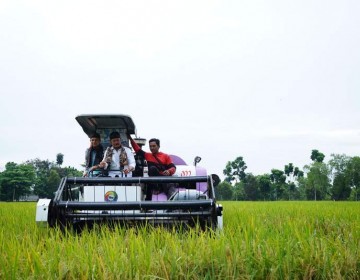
(159, 164)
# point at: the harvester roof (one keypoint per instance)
(95, 123)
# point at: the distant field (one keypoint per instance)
(261, 240)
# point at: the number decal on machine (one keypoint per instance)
(186, 173)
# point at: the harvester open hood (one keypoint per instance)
(96, 123)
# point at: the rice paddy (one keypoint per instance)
(260, 240)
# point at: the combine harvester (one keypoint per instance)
(85, 201)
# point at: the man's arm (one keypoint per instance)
(86, 170)
(171, 168)
(103, 164)
(134, 144)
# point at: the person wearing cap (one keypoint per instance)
(93, 156)
(119, 160)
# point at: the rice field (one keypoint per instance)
(261, 240)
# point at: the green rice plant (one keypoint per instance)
(260, 240)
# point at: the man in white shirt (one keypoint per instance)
(117, 159)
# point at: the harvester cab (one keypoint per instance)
(81, 201)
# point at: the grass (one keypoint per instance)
(261, 240)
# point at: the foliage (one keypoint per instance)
(42, 169)
(316, 156)
(59, 159)
(301, 188)
(338, 163)
(16, 181)
(289, 169)
(235, 170)
(317, 182)
(47, 176)
(251, 189)
(52, 183)
(278, 180)
(223, 191)
(292, 173)
(341, 189)
(353, 174)
(339, 179)
(264, 183)
(238, 191)
(292, 184)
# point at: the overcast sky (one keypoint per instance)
(266, 80)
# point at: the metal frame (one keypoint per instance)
(65, 210)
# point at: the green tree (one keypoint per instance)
(298, 173)
(338, 165)
(292, 173)
(302, 181)
(317, 183)
(264, 183)
(353, 174)
(52, 183)
(238, 192)
(278, 180)
(42, 170)
(223, 191)
(341, 189)
(45, 176)
(317, 156)
(235, 170)
(251, 189)
(289, 169)
(59, 159)
(289, 172)
(16, 181)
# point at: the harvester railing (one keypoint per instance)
(69, 208)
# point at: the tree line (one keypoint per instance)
(38, 177)
(337, 179)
